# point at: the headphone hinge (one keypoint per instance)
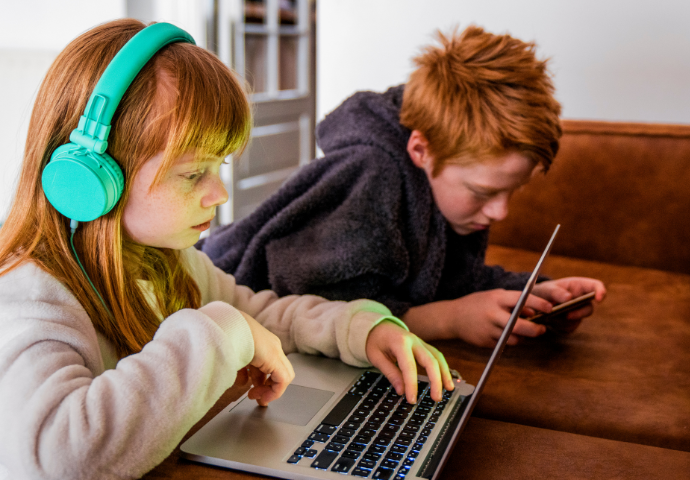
(91, 133)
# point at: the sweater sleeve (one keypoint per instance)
(304, 323)
(62, 416)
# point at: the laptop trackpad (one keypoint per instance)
(297, 406)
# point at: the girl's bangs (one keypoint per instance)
(211, 114)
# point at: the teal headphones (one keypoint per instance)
(81, 180)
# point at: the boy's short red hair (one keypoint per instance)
(480, 95)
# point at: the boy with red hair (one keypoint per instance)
(399, 208)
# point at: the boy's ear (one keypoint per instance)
(418, 149)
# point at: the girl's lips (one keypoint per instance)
(202, 226)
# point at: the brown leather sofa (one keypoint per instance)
(612, 399)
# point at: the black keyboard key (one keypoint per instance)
(341, 410)
(367, 464)
(382, 473)
(361, 472)
(356, 419)
(300, 451)
(407, 434)
(383, 441)
(358, 447)
(307, 443)
(394, 456)
(327, 429)
(367, 433)
(426, 432)
(376, 449)
(343, 465)
(390, 428)
(370, 377)
(364, 440)
(340, 439)
(398, 448)
(417, 447)
(310, 453)
(349, 453)
(374, 457)
(412, 454)
(403, 441)
(384, 383)
(351, 425)
(424, 410)
(408, 462)
(378, 418)
(319, 437)
(412, 428)
(392, 464)
(294, 459)
(416, 421)
(335, 447)
(324, 460)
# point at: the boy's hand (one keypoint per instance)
(270, 370)
(564, 289)
(396, 352)
(477, 318)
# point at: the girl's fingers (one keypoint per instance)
(390, 370)
(433, 371)
(408, 367)
(446, 376)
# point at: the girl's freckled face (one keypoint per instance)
(173, 213)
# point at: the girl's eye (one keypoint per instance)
(192, 176)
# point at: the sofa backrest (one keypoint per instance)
(620, 191)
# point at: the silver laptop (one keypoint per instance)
(336, 420)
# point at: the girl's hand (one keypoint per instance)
(270, 370)
(396, 352)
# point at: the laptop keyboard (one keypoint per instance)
(372, 432)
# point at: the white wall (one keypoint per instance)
(32, 32)
(625, 60)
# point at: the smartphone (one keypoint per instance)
(562, 308)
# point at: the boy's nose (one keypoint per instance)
(497, 209)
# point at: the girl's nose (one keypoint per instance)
(217, 194)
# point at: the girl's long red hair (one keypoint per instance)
(206, 112)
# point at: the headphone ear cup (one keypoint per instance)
(81, 184)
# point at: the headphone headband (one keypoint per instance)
(94, 125)
(81, 180)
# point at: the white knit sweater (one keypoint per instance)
(70, 410)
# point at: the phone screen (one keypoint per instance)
(562, 308)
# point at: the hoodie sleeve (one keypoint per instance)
(62, 416)
(304, 323)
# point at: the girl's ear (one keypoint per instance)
(418, 149)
